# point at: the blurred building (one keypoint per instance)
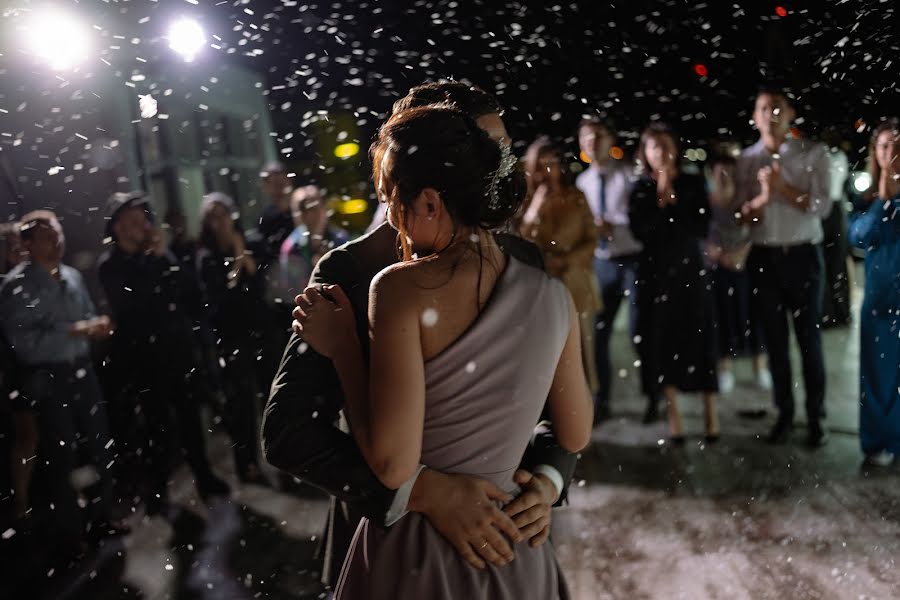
(132, 113)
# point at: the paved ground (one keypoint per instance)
(737, 520)
(740, 519)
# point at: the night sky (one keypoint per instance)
(693, 64)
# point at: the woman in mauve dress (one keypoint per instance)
(467, 346)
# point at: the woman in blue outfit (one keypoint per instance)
(878, 231)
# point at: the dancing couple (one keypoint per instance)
(443, 362)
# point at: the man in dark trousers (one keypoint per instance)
(50, 321)
(301, 432)
(154, 347)
(783, 189)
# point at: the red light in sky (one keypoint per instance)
(701, 70)
(781, 11)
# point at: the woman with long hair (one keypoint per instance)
(560, 222)
(467, 346)
(233, 288)
(670, 215)
(878, 232)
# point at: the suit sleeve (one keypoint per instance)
(300, 432)
(544, 449)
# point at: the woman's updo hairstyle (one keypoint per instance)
(439, 147)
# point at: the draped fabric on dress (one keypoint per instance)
(484, 395)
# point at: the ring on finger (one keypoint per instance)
(483, 546)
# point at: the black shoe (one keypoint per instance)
(651, 413)
(711, 438)
(601, 413)
(781, 432)
(677, 440)
(817, 437)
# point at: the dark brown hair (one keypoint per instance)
(655, 130)
(597, 122)
(469, 99)
(874, 170)
(439, 147)
(207, 237)
(544, 145)
(35, 217)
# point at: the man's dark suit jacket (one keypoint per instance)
(300, 434)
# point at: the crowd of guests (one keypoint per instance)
(713, 265)
(191, 321)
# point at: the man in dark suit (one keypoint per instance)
(301, 434)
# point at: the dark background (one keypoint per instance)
(696, 65)
(630, 61)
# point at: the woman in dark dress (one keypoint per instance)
(233, 288)
(670, 215)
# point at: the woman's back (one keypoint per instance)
(485, 391)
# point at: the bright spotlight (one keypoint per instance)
(186, 37)
(59, 39)
(862, 181)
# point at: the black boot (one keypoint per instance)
(817, 436)
(781, 431)
(651, 413)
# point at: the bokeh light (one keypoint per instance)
(347, 150)
(58, 38)
(862, 181)
(186, 37)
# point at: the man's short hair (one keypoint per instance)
(273, 166)
(468, 99)
(595, 121)
(34, 218)
(774, 88)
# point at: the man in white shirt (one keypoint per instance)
(783, 190)
(606, 184)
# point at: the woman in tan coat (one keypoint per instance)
(558, 219)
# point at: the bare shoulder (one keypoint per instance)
(396, 282)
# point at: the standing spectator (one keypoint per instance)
(670, 216)
(782, 188)
(275, 225)
(727, 248)
(835, 248)
(878, 231)
(559, 220)
(49, 319)
(23, 424)
(311, 238)
(606, 184)
(276, 221)
(232, 284)
(154, 346)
